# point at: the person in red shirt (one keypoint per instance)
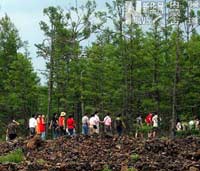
(41, 126)
(148, 119)
(70, 125)
(149, 122)
(61, 123)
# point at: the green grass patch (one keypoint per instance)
(106, 168)
(14, 157)
(135, 157)
(41, 161)
(132, 169)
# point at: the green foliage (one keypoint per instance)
(186, 133)
(135, 157)
(126, 70)
(132, 169)
(16, 156)
(106, 168)
(41, 161)
(145, 129)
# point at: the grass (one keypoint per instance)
(14, 157)
(135, 157)
(106, 168)
(132, 169)
(41, 161)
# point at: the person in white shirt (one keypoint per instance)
(107, 123)
(92, 125)
(85, 124)
(191, 124)
(97, 121)
(32, 125)
(155, 124)
(197, 123)
(178, 125)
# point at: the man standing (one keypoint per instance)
(32, 125)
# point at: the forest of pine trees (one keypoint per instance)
(128, 69)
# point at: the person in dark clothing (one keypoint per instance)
(11, 131)
(119, 124)
(54, 126)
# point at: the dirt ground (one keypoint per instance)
(96, 153)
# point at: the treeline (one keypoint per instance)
(125, 70)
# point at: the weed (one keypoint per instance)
(135, 157)
(106, 168)
(15, 156)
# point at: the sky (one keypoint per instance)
(26, 15)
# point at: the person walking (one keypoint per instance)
(11, 132)
(138, 126)
(54, 126)
(61, 124)
(148, 121)
(39, 123)
(97, 121)
(70, 125)
(32, 125)
(155, 124)
(92, 125)
(107, 123)
(85, 124)
(119, 124)
(43, 127)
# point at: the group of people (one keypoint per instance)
(92, 125)
(60, 125)
(152, 121)
(192, 124)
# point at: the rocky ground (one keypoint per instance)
(95, 153)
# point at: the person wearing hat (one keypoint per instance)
(61, 123)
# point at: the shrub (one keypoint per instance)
(186, 133)
(15, 157)
(145, 129)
